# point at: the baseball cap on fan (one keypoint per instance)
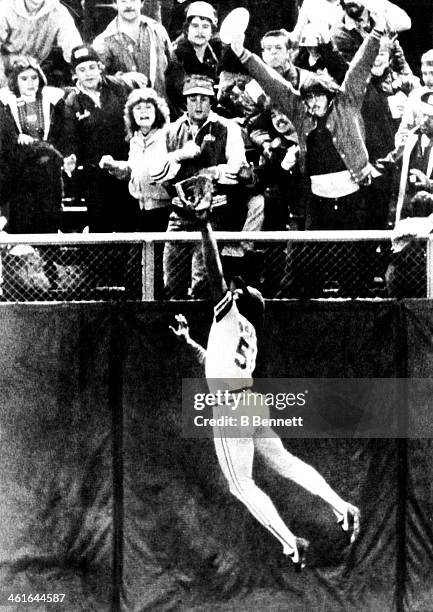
(198, 84)
(83, 53)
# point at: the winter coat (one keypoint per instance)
(53, 109)
(32, 183)
(91, 131)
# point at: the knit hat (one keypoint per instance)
(202, 9)
(83, 53)
(198, 84)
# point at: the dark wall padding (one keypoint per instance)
(104, 500)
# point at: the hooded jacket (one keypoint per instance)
(51, 97)
(35, 35)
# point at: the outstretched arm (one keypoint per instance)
(358, 74)
(278, 89)
(218, 285)
(182, 335)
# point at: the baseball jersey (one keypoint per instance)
(231, 349)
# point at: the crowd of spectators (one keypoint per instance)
(329, 130)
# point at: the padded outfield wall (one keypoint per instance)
(104, 500)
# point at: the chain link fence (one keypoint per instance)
(283, 265)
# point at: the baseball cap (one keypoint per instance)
(251, 304)
(198, 84)
(426, 105)
(202, 9)
(83, 53)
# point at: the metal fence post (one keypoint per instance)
(429, 264)
(148, 271)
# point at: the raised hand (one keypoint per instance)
(182, 330)
(237, 44)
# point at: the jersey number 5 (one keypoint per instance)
(242, 353)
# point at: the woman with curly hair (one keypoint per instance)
(146, 115)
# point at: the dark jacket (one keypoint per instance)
(90, 131)
(185, 62)
(330, 60)
(31, 175)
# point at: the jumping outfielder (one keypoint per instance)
(229, 362)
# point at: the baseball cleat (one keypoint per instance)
(299, 555)
(350, 521)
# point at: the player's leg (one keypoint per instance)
(235, 456)
(269, 445)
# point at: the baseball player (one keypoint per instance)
(229, 364)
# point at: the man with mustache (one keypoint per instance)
(135, 47)
(332, 149)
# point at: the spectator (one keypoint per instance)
(414, 206)
(391, 80)
(357, 22)
(417, 159)
(34, 28)
(390, 73)
(273, 133)
(32, 119)
(322, 14)
(317, 54)
(410, 120)
(94, 127)
(200, 141)
(146, 116)
(280, 179)
(329, 126)
(32, 122)
(276, 54)
(135, 47)
(194, 53)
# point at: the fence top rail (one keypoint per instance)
(160, 237)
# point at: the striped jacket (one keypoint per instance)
(221, 146)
